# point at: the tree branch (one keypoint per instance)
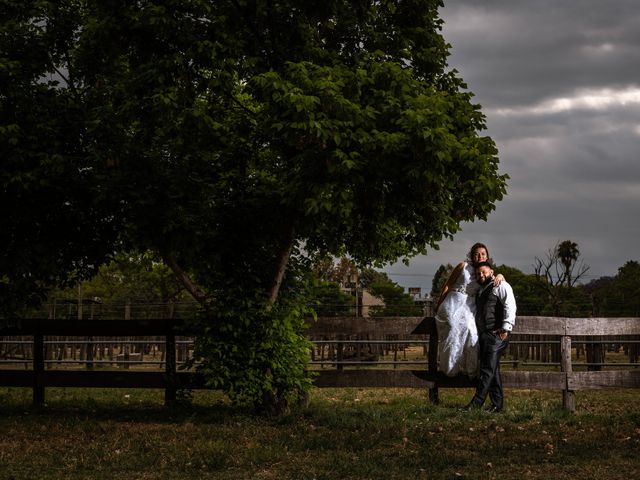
(183, 277)
(555, 278)
(582, 270)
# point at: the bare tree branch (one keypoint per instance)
(556, 274)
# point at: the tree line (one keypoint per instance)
(334, 285)
(141, 280)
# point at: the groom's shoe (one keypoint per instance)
(493, 409)
(470, 407)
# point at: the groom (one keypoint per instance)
(495, 317)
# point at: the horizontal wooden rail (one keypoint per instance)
(98, 379)
(88, 328)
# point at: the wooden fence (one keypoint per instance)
(353, 346)
(38, 378)
(553, 330)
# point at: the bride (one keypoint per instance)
(455, 316)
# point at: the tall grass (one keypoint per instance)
(341, 434)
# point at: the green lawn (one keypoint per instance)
(342, 434)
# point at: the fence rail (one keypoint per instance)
(337, 333)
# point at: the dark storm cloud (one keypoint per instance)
(559, 83)
(559, 45)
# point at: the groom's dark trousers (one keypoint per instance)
(489, 378)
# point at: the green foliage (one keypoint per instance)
(139, 280)
(439, 279)
(220, 135)
(345, 273)
(136, 277)
(576, 303)
(258, 357)
(568, 253)
(532, 299)
(330, 300)
(529, 299)
(47, 201)
(396, 301)
(604, 297)
(556, 277)
(618, 296)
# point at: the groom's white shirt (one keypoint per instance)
(505, 293)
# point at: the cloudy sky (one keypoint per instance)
(559, 83)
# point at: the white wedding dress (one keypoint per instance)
(456, 324)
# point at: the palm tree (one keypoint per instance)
(568, 253)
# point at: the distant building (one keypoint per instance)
(363, 298)
(425, 302)
(367, 300)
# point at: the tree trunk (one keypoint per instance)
(286, 246)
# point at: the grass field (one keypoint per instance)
(342, 434)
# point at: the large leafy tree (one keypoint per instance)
(53, 230)
(236, 139)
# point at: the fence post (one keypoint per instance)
(568, 396)
(38, 369)
(170, 369)
(433, 364)
(339, 352)
(126, 345)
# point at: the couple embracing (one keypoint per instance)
(475, 315)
